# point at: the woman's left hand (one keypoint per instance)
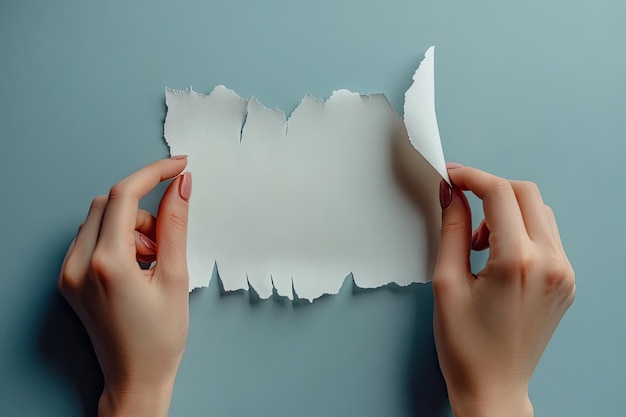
(137, 319)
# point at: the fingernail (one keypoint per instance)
(178, 157)
(148, 243)
(445, 194)
(185, 186)
(452, 165)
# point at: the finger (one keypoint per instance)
(77, 258)
(146, 224)
(118, 224)
(87, 236)
(502, 212)
(533, 209)
(454, 247)
(480, 237)
(172, 232)
(145, 236)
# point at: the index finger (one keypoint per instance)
(502, 212)
(120, 216)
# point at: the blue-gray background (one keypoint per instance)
(530, 89)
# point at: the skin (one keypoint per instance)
(490, 328)
(137, 319)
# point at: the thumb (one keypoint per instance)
(456, 231)
(171, 230)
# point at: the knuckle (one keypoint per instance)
(518, 259)
(67, 288)
(66, 284)
(99, 203)
(118, 190)
(555, 276)
(145, 219)
(99, 263)
(570, 280)
(105, 268)
(549, 211)
(559, 277)
(571, 296)
(69, 279)
(501, 186)
(529, 187)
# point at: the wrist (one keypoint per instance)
(136, 400)
(496, 404)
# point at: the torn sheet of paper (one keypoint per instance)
(297, 205)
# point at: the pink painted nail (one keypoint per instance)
(148, 243)
(452, 165)
(178, 157)
(185, 186)
(445, 194)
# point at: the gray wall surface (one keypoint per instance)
(531, 90)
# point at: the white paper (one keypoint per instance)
(420, 117)
(298, 205)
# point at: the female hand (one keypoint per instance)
(137, 319)
(491, 328)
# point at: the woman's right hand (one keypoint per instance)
(491, 328)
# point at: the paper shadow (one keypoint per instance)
(64, 346)
(426, 388)
(420, 183)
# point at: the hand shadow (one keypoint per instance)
(426, 388)
(64, 345)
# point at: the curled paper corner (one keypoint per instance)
(420, 117)
(292, 206)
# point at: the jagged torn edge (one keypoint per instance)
(294, 296)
